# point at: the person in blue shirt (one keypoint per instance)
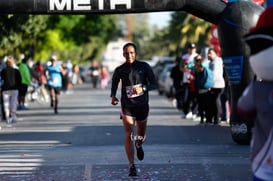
(203, 84)
(54, 82)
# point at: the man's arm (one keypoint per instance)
(114, 87)
(151, 80)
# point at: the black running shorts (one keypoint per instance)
(139, 113)
(57, 90)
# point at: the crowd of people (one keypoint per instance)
(17, 77)
(201, 87)
(99, 75)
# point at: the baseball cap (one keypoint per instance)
(191, 45)
(53, 57)
(260, 36)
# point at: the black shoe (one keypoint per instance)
(132, 171)
(56, 111)
(139, 149)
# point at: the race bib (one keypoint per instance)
(55, 80)
(95, 73)
(131, 91)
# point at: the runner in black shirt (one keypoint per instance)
(137, 79)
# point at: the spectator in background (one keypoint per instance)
(65, 77)
(177, 76)
(69, 68)
(76, 78)
(104, 77)
(26, 81)
(2, 66)
(189, 98)
(225, 100)
(68, 76)
(11, 80)
(94, 73)
(216, 66)
(39, 69)
(203, 82)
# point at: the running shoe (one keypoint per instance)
(132, 171)
(19, 107)
(25, 108)
(189, 115)
(139, 149)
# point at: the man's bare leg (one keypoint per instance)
(128, 124)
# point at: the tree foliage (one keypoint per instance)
(172, 40)
(81, 38)
(19, 32)
(74, 37)
(186, 28)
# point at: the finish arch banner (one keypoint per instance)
(91, 5)
(208, 10)
(88, 6)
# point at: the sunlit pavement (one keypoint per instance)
(84, 142)
(104, 163)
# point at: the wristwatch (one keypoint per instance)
(144, 88)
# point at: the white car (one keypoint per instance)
(165, 82)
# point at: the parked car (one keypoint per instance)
(158, 68)
(150, 62)
(165, 82)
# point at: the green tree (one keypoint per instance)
(186, 28)
(158, 45)
(76, 37)
(18, 33)
(82, 36)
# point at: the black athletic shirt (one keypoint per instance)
(132, 74)
(11, 79)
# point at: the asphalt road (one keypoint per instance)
(84, 142)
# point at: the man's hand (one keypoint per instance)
(114, 100)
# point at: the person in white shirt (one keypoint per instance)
(217, 67)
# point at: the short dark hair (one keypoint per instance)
(24, 60)
(211, 49)
(130, 44)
